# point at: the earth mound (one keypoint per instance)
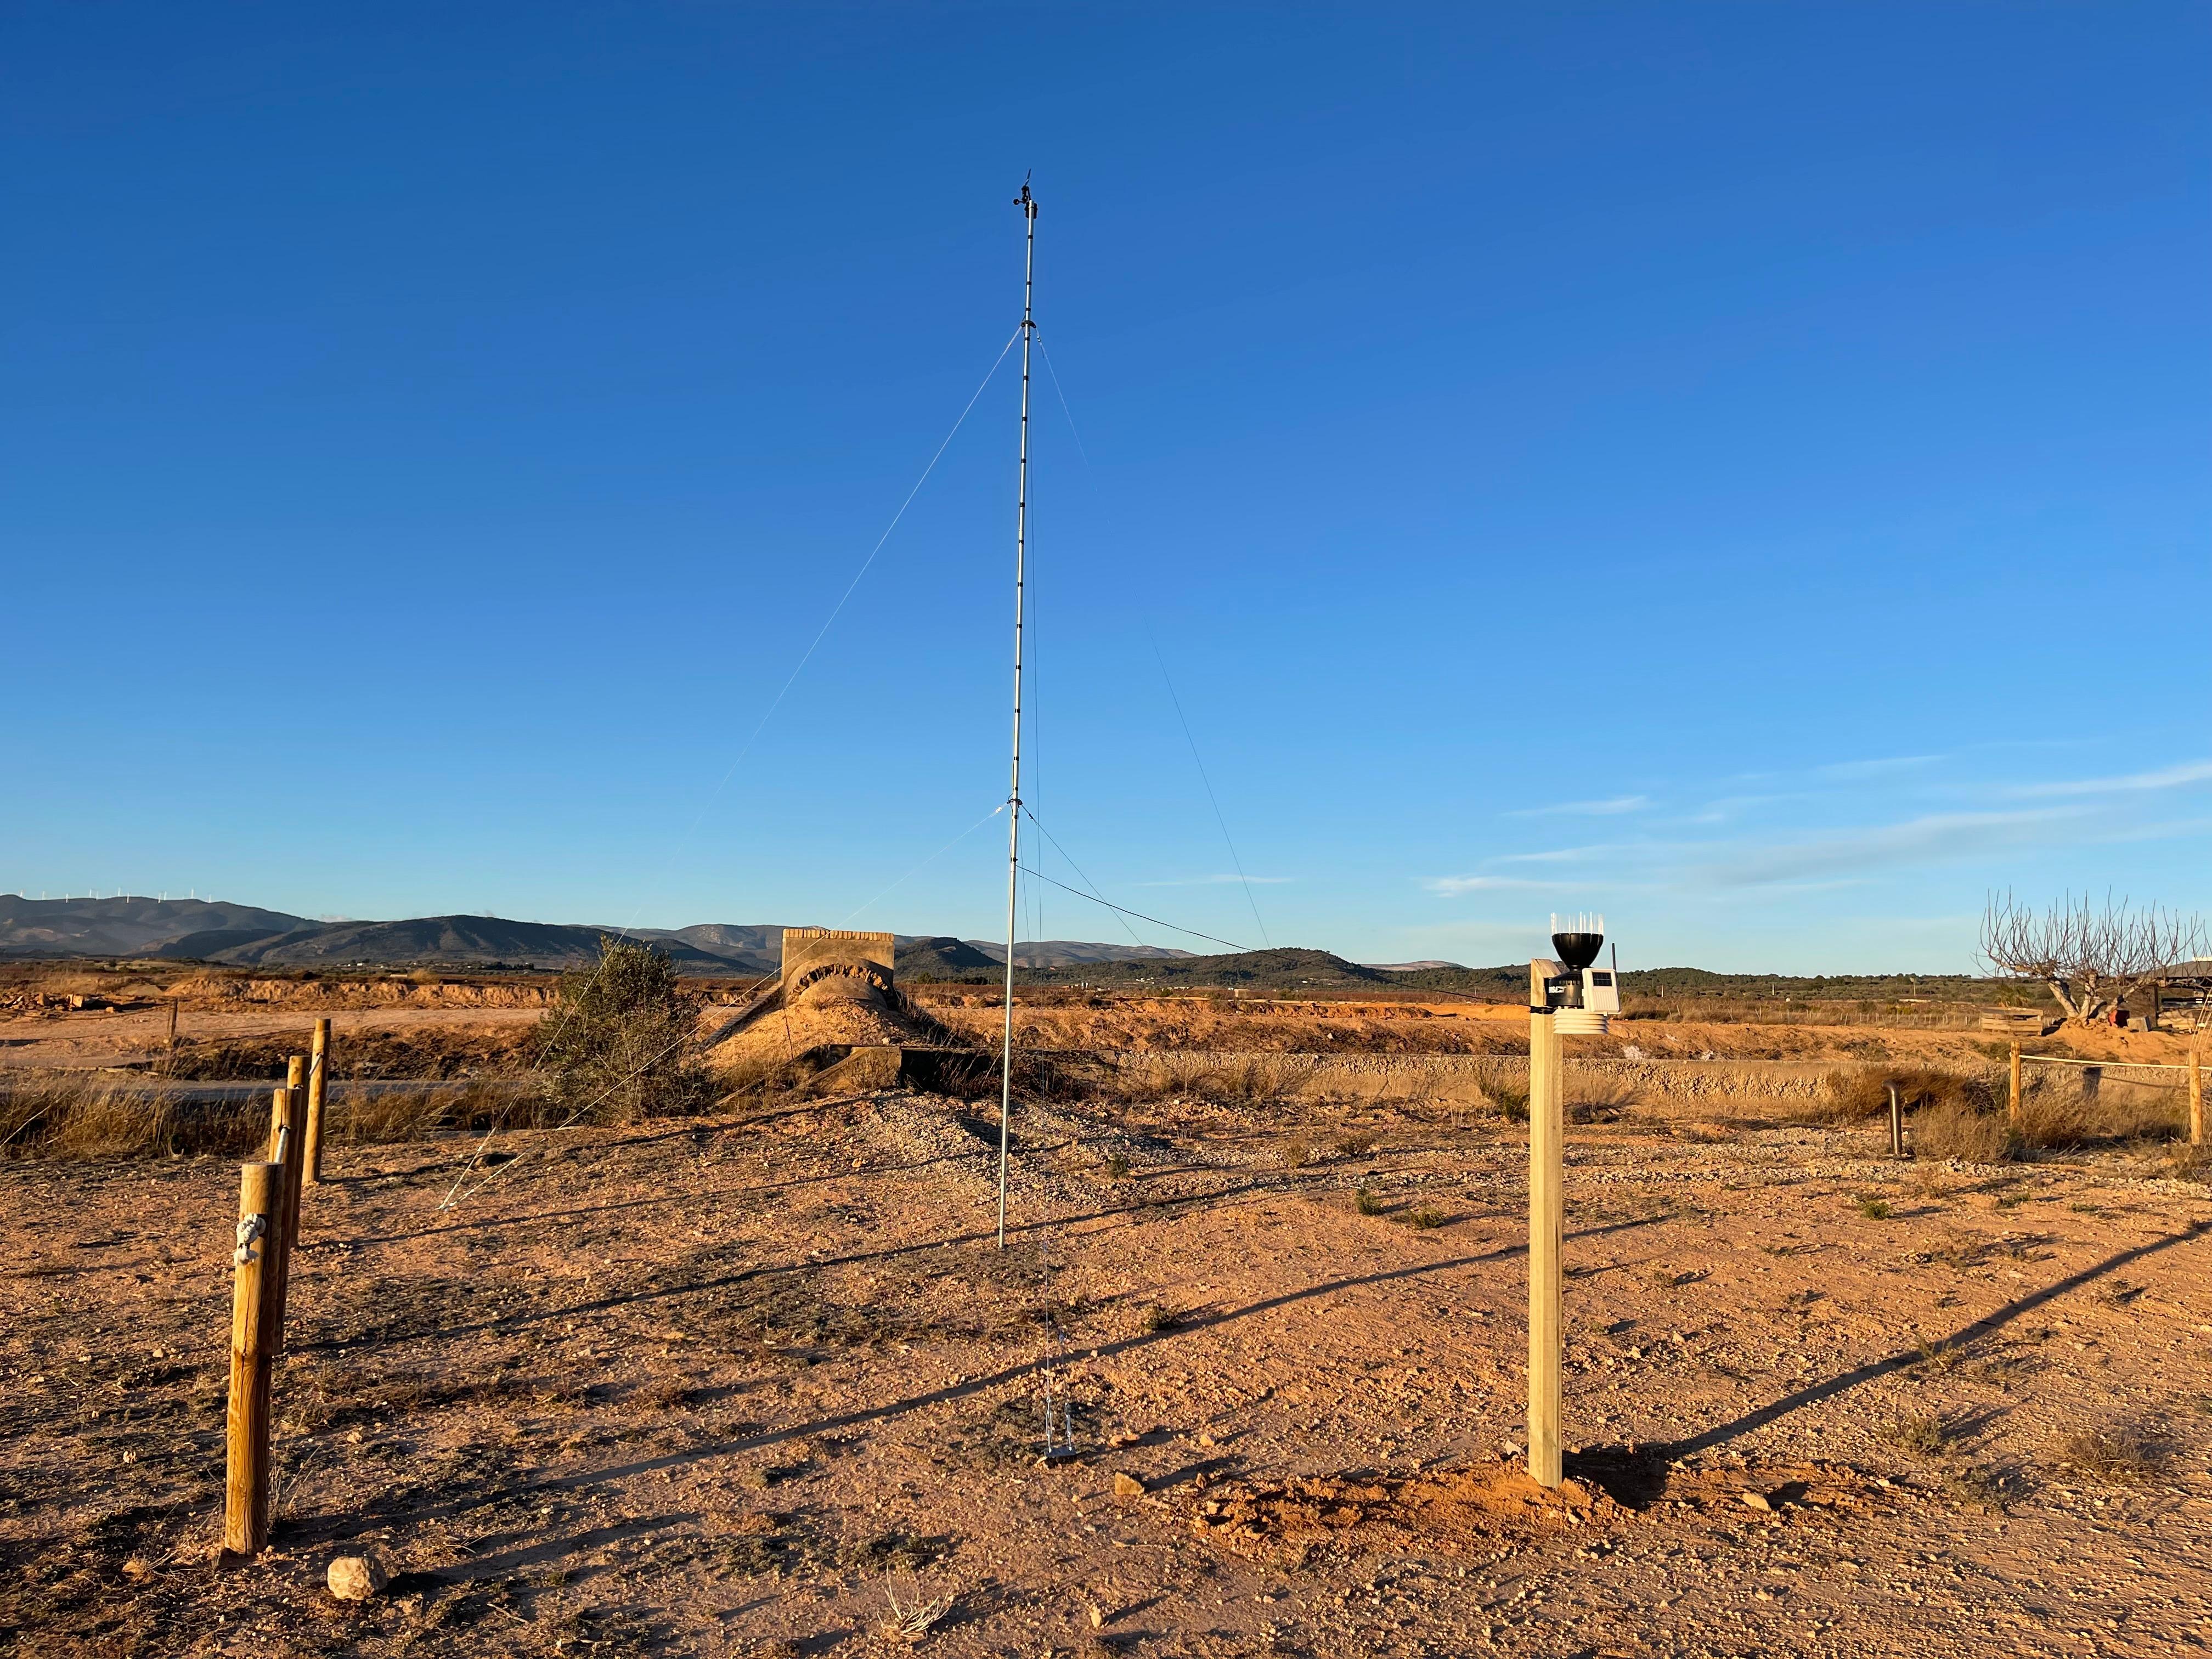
(834, 1011)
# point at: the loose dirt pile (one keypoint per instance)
(1463, 1511)
(831, 1013)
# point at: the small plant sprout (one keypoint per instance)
(1939, 1356)
(1875, 1209)
(912, 1616)
(1367, 1201)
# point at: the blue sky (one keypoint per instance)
(1740, 468)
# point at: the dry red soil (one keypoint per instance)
(726, 1387)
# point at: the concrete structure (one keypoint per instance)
(834, 963)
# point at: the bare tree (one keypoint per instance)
(2089, 958)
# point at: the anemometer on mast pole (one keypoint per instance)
(1567, 994)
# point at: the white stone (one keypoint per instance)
(357, 1577)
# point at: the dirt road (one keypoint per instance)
(82, 1040)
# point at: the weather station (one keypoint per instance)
(1568, 995)
(1580, 995)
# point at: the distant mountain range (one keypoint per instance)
(241, 935)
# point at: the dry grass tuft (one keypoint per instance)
(1599, 1099)
(1367, 1201)
(79, 1115)
(1924, 1434)
(2190, 1163)
(1978, 1487)
(73, 1114)
(1422, 1218)
(1357, 1145)
(2119, 1455)
(1508, 1097)
(1254, 1079)
(1953, 1129)
(913, 1615)
(2060, 1112)
(666, 1394)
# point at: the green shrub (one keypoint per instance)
(622, 1039)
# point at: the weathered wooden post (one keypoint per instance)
(2013, 1118)
(254, 1321)
(284, 1149)
(1896, 1124)
(169, 1059)
(319, 1060)
(2092, 1084)
(2196, 1100)
(1547, 1228)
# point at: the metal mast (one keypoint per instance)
(1027, 203)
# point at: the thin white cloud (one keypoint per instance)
(1560, 855)
(1221, 881)
(1612, 806)
(1454, 886)
(2169, 777)
(1919, 841)
(1875, 768)
(1728, 807)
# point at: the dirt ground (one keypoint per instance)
(730, 1386)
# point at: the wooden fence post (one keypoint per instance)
(2196, 1100)
(169, 1059)
(284, 1149)
(319, 1060)
(1547, 1226)
(2013, 1117)
(1896, 1124)
(253, 1320)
